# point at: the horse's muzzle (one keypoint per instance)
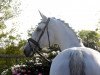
(28, 51)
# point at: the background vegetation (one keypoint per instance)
(90, 39)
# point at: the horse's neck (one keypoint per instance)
(66, 37)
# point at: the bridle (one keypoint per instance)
(36, 43)
(37, 47)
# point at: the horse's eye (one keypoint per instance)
(38, 29)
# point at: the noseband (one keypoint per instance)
(36, 43)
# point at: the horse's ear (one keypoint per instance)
(44, 18)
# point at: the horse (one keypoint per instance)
(74, 58)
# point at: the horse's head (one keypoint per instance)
(41, 37)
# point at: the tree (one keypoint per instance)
(90, 39)
(6, 11)
(9, 44)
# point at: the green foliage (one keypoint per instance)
(12, 37)
(21, 43)
(9, 44)
(6, 11)
(2, 25)
(5, 8)
(11, 49)
(9, 72)
(98, 25)
(3, 35)
(90, 39)
(8, 14)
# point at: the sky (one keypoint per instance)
(80, 14)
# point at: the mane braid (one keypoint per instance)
(66, 24)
